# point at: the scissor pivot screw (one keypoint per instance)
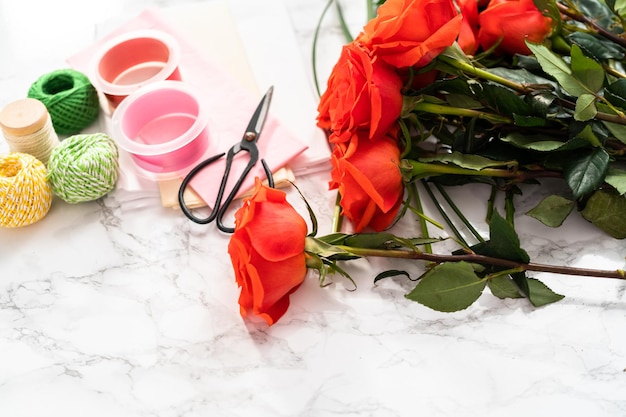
(250, 136)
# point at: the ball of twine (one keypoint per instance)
(27, 128)
(25, 194)
(70, 98)
(83, 167)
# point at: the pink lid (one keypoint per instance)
(163, 127)
(134, 59)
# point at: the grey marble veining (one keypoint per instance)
(121, 307)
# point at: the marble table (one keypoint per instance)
(121, 307)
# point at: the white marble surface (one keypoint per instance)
(117, 309)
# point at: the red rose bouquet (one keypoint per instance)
(439, 93)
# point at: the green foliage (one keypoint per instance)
(597, 47)
(616, 178)
(615, 93)
(391, 273)
(552, 210)
(507, 121)
(586, 70)
(585, 171)
(454, 286)
(556, 67)
(585, 107)
(503, 241)
(469, 161)
(448, 287)
(605, 209)
(538, 142)
(602, 14)
(504, 287)
(539, 294)
(618, 7)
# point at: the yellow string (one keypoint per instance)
(25, 194)
(39, 143)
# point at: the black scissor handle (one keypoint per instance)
(233, 193)
(219, 209)
(183, 186)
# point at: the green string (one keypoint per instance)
(71, 99)
(83, 167)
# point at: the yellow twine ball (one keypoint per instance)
(25, 194)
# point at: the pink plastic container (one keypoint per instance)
(136, 58)
(163, 127)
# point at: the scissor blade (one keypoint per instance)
(260, 114)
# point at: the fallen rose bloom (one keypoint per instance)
(508, 23)
(369, 182)
(409, 33)
(267, 253)
(362, 91)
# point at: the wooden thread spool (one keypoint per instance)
(27, 128)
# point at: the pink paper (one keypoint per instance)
(228, 105)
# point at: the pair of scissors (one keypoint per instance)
(247, 144)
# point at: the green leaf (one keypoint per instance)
(522, 75)
(607, 211)
(504, 287)
(450, 85)
(542, 104)
(391, 273)
(521, 281)
(529, 121)
(448, 287)
(503, 241)
(382, 240)
(430, 99)
(539, 142)
(369, 240)
(468, 161)
(334, 238)
(597, 47)
(504, 100)
(589, 136)
(585, 172)
(455, 52)
(586, 70)
(599, 13)
(555, 66)
(552, 210)
(617, 129)
(325, 250)
(618, 6)
(502, 236)
(615, 93)
(585, 107)
(616, 178)
(539, 294)
(463, 101)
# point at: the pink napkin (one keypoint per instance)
(228, 105)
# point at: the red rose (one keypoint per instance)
(267, 253)
(469, 26)
(362, 92)
(369, 182)
(510, 22)
(409, 33)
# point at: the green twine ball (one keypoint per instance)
(70, 98)
(83, 167)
